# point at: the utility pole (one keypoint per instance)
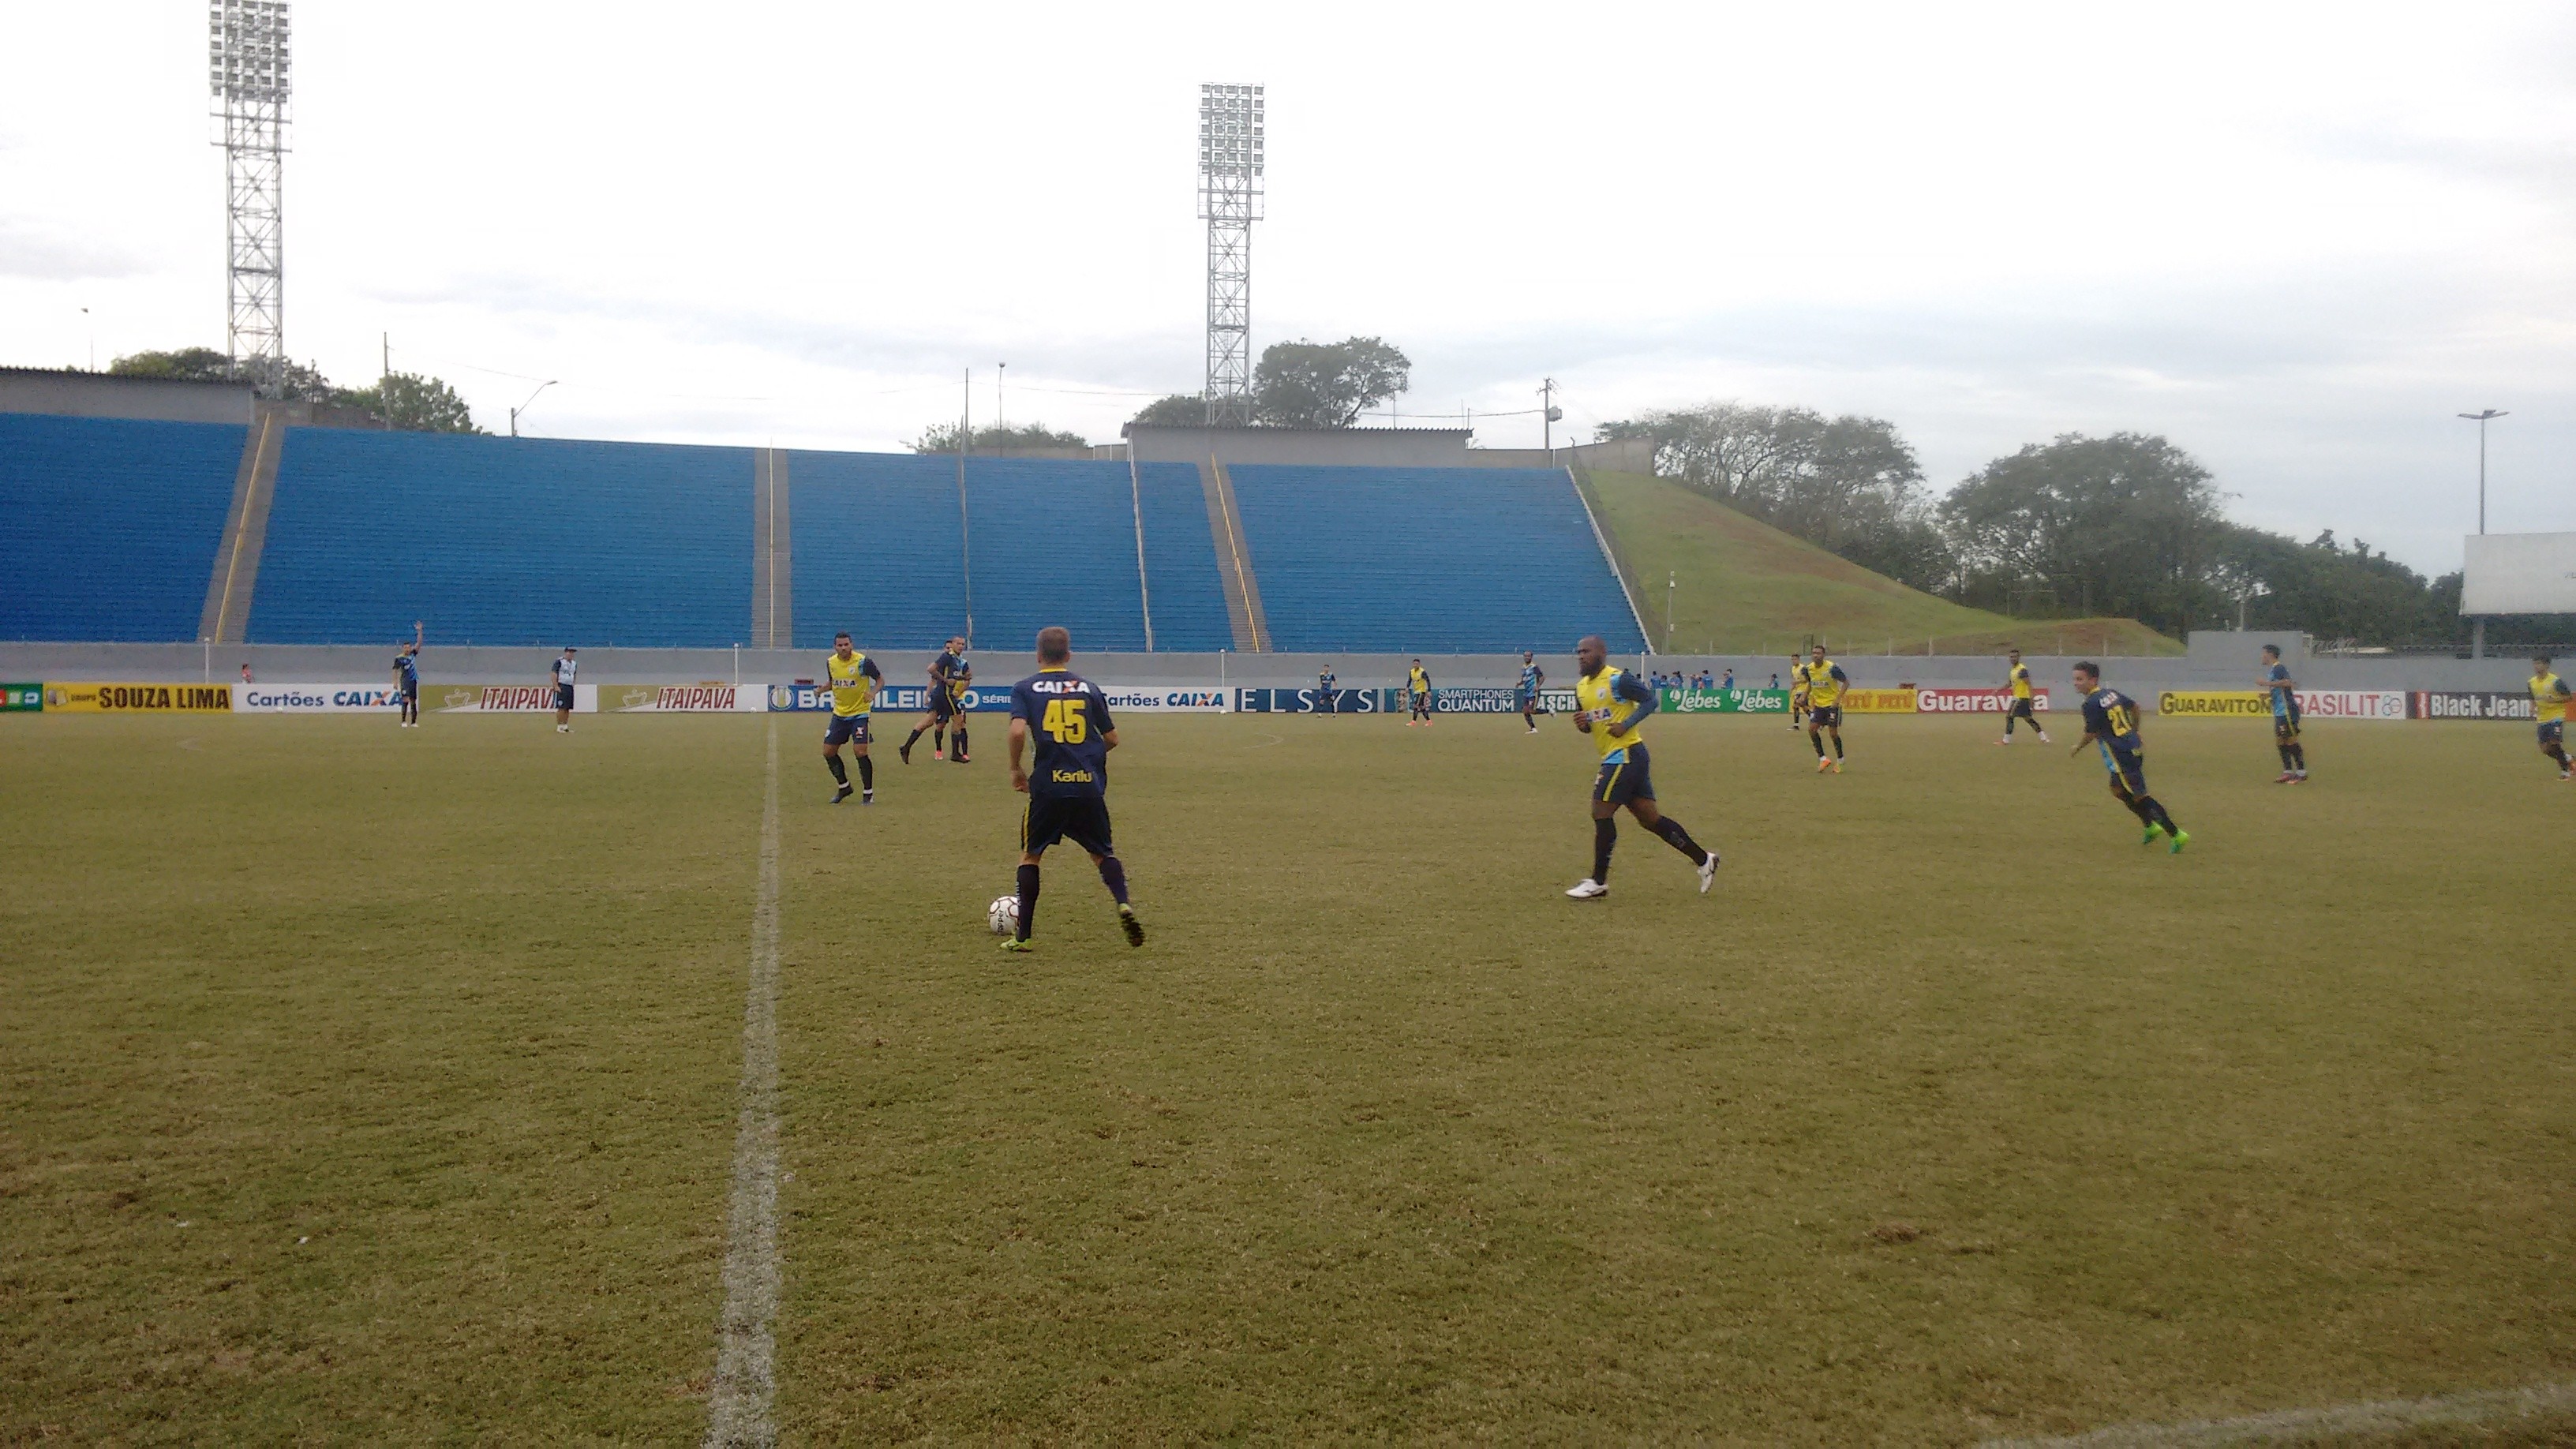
(2478, 626)
(999, 368)
(1548, 414)
(1672, 581)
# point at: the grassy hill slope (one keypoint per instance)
(1744, 587)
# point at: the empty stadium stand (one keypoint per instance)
(114, 529)
(108, 528)
(1427, 560)
(505, 541)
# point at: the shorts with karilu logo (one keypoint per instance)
(1624, 777)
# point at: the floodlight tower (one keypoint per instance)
(247, 57)
(1230, 198)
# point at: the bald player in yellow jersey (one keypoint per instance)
(2549, 697)
(1609, 705)
(1825, 683)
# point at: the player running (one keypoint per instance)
(1609, 705)
(2549, 706)
(1417, 689)
(939, 702)
(406, 678)
(1532, 679)
(2017, 683)
(855, 678)
(2282, 691)
(1068, 785)
(564, 669)
(1825, 682)
(2111, 724)
(1797, 692)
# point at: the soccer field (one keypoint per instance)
(379, 1085)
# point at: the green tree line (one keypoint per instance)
(2127, 525)
(406, 401)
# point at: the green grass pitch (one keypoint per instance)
(368, 1085)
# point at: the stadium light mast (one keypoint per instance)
(2482, 419)
(247, 62)
(1230, 196)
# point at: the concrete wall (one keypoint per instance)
(2214, 668)
(1626, 455)
(1330, 447)
(155, 399)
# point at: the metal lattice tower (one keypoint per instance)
(1230, 199)
(247, 59)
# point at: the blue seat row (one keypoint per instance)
(108, 528)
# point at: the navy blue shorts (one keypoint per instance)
(2128, 767)
(2554, 732)
(846, 729)
(941, 706)
(411, 689)
(1622, 781)
(1825, 716)
(2285, 726)
(1081, 819)
(563, 696)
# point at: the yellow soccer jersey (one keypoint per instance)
(1610, 697)
(854, 683)
(2548, 698)
(1418, 682)
(2020, 680)
(1823, 687)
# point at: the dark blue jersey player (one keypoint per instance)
(1066, 718)
(2282, 693)
(2111, 726)
(1533, 679)
(406, 678)
(942, 702)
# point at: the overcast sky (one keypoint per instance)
(2295, 239)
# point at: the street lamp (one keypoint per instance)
(2481, 419)
(523, 407)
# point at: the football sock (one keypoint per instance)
(961, 739)
(1605, 834)
(939, 738)
(1028, 900)
(1113, 874)
(837, 772)
(1838, 747)
(2155, 815)
(2557, 752)
(867, 773)
(1680, 839)
(1816, 738)
(2285, 757)
(2299, 758)
(914, 738)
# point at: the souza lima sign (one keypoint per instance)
(140, 698)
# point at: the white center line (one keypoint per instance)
(2335, 1422)
(746, 1344)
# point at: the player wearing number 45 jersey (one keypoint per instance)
(1066, 718)
(1609, 705)
(2111, 725)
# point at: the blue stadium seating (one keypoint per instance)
(1427, 560)
(108, 529)
(505, 541)
(1180, 560)
(875, 549)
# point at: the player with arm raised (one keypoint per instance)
(2111, 726)
(1609, 705)
(1066, 718)
(2282, 691)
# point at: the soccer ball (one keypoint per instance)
(1003, 915)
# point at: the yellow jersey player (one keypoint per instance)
(2018, 708)
(2549, 707)
(1825, 682)
(1417, 689)
(1797, 694)
(1609, 705)
(854, 678)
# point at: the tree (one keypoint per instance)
(2126, 525)
(942, 438)
(1180, 410)
(409, 402)
(1850, 484)
(1326, 384)
(188, 364)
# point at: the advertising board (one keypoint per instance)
(1306, 701)
(2518, 573)
(1475, 699)
(1165, 699)
(1878, 701)
(139, 698)
(689, 698)
(1726, 701)
(316, 699)
(2468, 704)
(505, 698)
(2257, 704)
(21, 698)
(1974, 701)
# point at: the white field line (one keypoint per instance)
(2335, 1422)
(746, 1343)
